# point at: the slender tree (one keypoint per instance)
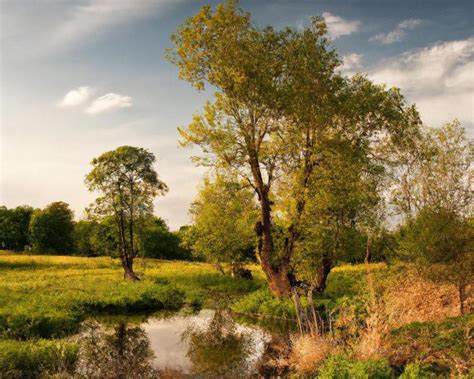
(128, 184)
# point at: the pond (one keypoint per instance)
(208, 344)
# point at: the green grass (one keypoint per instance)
(32, 359)
(441, 349)
(49, 296)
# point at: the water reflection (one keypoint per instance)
(219, 350)
(120, 352)
(205, 345)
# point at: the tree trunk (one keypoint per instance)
(368, 251)
(322, 273)
(462, 298)
(277, 274)
(128, 269)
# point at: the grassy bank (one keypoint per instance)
(44, 299)
(48, 296)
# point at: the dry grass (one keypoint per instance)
(309, 352)
(411, 298)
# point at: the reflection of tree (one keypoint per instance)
(123, 352)
(219, 351)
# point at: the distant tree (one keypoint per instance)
(128, 184)
(224, 216)
(14, 225)
(52, 229)
(441, 243)
(437, 172)
(83, 231)
(157, 241)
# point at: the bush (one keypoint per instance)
(152, 299)
(31, 359)
(341, 367)
(261, 302)
(417, 371)
(49, 324)
(443, 347)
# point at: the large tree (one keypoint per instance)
(52, 229)
(279, 98)
(128, 184)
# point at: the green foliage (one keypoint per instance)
(51, 229)
(128, 184)
(14, 225)
(441, 243)
(156, 241)
(310, 152)
(437, 172)
(341, 367)
(32, 359)
(94, 238)
(224, 216)
(417, 371)
(443, 347)
(262, 303)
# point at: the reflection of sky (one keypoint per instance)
(48, 48)
(169, 348)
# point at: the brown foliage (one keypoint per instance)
(309, 352)
(411, 298)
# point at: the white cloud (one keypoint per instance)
(351, 61)
(439, 79)
(398, 33)
(108, 102)
(338, 26)
(76, 97)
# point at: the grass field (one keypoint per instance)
(44, 299)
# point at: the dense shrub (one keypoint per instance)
(152, 299)
(262, 302)
(32, 359)
(40, 324)
(341, 367)
(443, 348)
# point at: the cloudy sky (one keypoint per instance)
(78, 78)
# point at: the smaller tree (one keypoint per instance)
(128, 184)
(52, 229)
(224, 216)
(441, 243)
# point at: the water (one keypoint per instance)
(170, 345)
(208, 344)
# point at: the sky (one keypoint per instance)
(78, 78)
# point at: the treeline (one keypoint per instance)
(52, 230)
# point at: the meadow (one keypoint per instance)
(44, 300)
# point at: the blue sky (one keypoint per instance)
(82, 77)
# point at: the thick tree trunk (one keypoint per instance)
(276, 272)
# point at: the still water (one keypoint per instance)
(209, 344)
